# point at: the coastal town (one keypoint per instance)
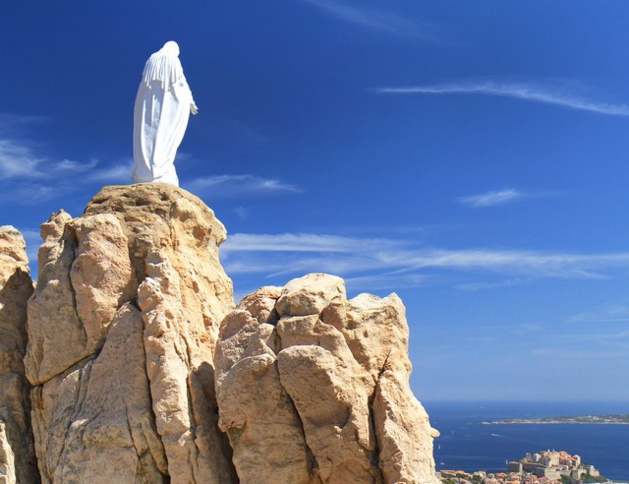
(545, 467)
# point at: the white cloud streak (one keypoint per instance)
(33, 240)
(523, 91)
(391, 260)
(377, 19)
(11, 122)
(18, 161)
(42, 178)
(613, 313)
(230, 186)
(301, 243)
(564, 354)
(491, 199)
(387, 281)
(479, 286)
(70, 166)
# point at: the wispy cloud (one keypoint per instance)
(564, 354)
(528, 91)
(11, 122)
(20, 157)
(69, 166)
(30, 176)
(33, 240)
(29, 179)
(18, 161)
(378, 19)
(406, 262)
(385, 281)
(242, 212)
(29, 193)
(491, 199)
(118, 173)
(302, 243)
(479, 286)
(224, 186)
(501, 197)
(611, 313)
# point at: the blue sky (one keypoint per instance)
(469, 156)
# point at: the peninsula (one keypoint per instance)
(580, 419)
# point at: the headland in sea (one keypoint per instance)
(577, 419)
(466, 443)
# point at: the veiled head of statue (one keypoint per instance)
(170, 48)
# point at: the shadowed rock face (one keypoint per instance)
(122, 329)
(314, 388)
(17, 457)
(134, 345)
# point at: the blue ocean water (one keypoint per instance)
(467, 444)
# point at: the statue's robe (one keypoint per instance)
(162, 110)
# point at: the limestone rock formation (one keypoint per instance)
(17, 457)
(122, 328)
(314, 388)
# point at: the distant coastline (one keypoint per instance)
(580, 419)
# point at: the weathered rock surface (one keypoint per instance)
(122, 328)
(313, 388)
(130, 344)
(17, 457)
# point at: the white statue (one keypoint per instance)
(162, 108)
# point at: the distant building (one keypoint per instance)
(551, 465)
(545, 467)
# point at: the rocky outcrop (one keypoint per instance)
(314, 388)
(17, 458)
(140, 369)
(122, 328)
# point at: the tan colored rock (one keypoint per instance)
(328, 375)
(130, 361)
(113, 416)
(7, 458)
(101, 275)
(123, 326)
(17, 457)
(255, 410)
(57, 337)
(299, 299)
(377, 333)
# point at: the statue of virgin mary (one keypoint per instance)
(162, 108)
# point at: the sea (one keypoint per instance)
(467, 444)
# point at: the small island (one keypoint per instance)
(580, 419)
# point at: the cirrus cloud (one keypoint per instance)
(493, 198)
(229, 186)
(377, 19)
(396, 262)
(527, 91)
